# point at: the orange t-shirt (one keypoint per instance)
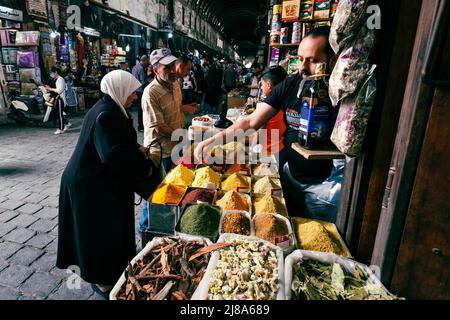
(277, 122)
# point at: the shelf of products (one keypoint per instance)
(328, 154)
(277, 45)
(291, 21)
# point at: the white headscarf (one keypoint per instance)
(119, 85)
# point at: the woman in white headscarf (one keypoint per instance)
(96, 199)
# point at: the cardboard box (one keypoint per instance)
(306, 9)
(322, 9)
(291, 10)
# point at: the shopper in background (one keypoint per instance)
(140, 73)
(124, 66)
(213, 93)
(254, 86)
(96, 199)
(183, 67)
(230, 77)
(60, 100)
(161, 113)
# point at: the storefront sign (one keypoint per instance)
(87, 31)
(37, 8)
(11, 14)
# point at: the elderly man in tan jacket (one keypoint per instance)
(161, 112)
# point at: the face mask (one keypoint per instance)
(52, 75)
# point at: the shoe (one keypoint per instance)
(66, 127)
(58, 131)
(100, 290)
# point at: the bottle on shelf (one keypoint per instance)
(316, 111)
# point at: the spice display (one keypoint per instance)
(232, 200)
(313, 280)
(348, 19)
(236, 181)
(352, 66)
(238, 168)
(180, 175)
(167, 272)
(168, 194)
(205, 176)
(353, 118)
(266, 185)
(248, 270)
(235, 222)
(203, 195)
(314, 236)
(269, 227)
(265, 169)
(269, 204)
(200, 220)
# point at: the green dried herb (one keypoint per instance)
(313, 280)
(201, 220)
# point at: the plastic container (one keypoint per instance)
(156, 241)
(201, 293)
(302, 255)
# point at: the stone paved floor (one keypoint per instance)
(31, 164)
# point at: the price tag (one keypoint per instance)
(243, 189)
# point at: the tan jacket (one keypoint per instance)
(160, 104)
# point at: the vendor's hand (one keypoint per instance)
(47, 87)
(199, 150)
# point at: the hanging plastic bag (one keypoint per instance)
(354, 113)
(349, 18)
(352, 66)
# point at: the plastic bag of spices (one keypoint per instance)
(354, 113)
(349, 17)
(352, 66)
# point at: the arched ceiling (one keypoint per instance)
(241, 22)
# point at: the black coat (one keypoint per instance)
(96, 200)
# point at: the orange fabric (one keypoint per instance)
(277, 122)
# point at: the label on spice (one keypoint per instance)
(243, 189)
(276, 192)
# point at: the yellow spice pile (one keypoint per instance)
(233, 201)
(313, 236)
(204, 176)
(235, 181)
(266, 185)
(269, 204)
(168, 194)
(180, 175)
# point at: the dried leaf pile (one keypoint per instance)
(172, 270)
(313, 280)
